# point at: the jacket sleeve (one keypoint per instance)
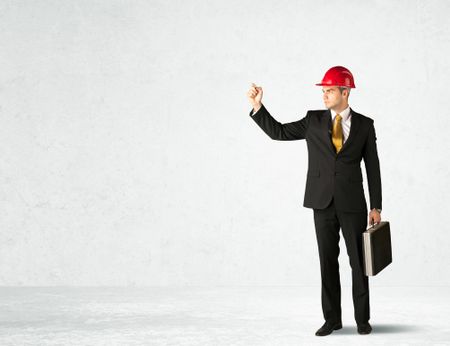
(281, 132)
(372, 164)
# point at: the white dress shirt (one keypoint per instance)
(345, 122)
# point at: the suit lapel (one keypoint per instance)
(327, 129)
(353, 129)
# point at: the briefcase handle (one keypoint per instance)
(373, 225)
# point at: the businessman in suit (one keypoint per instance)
(337, 138)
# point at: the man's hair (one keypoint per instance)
(343, 88)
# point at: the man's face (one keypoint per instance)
(332, 96)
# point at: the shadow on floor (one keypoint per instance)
(395, 328)
(381, 329)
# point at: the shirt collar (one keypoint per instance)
(344, 114)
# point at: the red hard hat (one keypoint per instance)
(339, 76)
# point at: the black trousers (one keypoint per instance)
(327, 222)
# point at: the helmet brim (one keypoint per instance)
(345, 86)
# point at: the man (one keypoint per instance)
(338, 138)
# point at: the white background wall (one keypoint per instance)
(127, 156)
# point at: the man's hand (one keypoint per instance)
(374, 217)
(255, 95)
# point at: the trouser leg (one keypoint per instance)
(353, 225)
(327, 234)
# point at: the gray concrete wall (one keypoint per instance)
(127, 156)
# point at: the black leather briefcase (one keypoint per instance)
(377, 248)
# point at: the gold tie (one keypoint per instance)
(336, 136)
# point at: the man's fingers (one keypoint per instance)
(254, 86)
(254, 90)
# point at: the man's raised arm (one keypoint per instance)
(274, 129)
(281, 132)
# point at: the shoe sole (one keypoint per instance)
(334, 328)
(364, 333)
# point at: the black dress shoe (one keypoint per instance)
(364, 328)
(328, 328)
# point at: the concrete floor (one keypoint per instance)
(216, 316)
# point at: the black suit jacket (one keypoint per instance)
(330, 174)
